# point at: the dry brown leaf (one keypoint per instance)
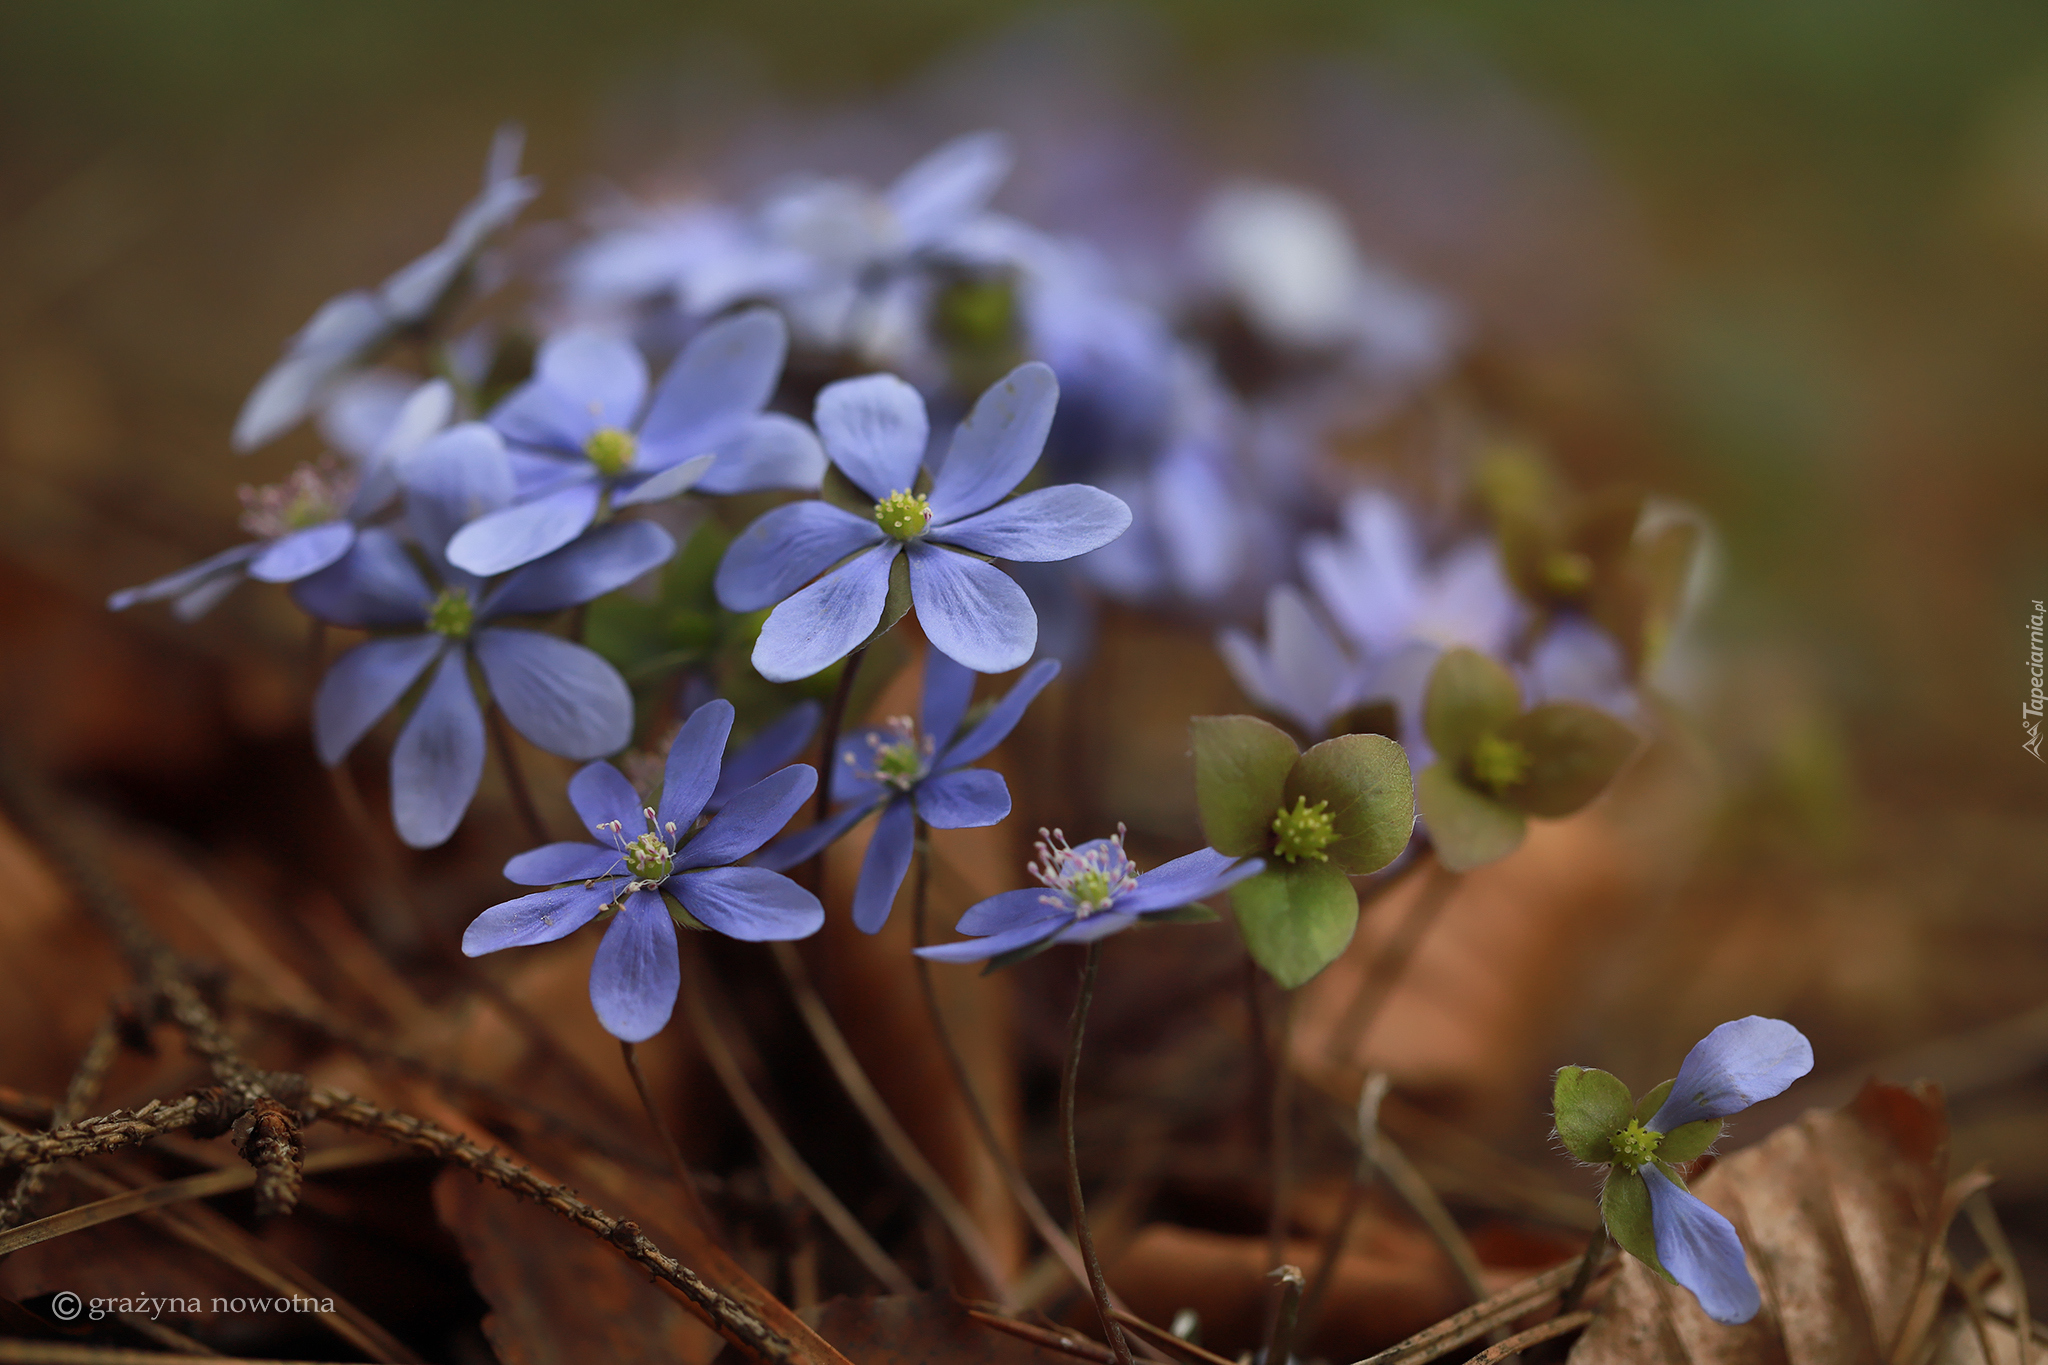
(1844, 1215)
(929, 1329)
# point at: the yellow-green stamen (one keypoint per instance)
(1567, 572)
(611, 450)
(1635, 1145)
(1304, 831)
(903, 514)
(452, 614)
(1498, 763)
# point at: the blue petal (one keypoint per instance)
(636, 973)
(1184, 881)
(1733, 1067)
(690, 774)
(602, 797)
(874, 429)
(1700, 1249)
(551, 864)
(1005, 911)
(1009, 940)
(586, 568)
(582, 381)
(541, 917)
(778, 743)
(186, 579)
(1002, 718)
(948, 186)
(439, 757)
(786, 548)
(297, 554)
(343, 328)
(374, 584)
(881, 871)
(948, 689)
(560, 695)
(723, 377)
(971, 798)
(821, 625)
(996, 446)
(1099, 925)
(1046, 524)
(803, 845)
(773, 451)
(522, 533)
(663, 484)
(362, 685)
(752, 818)
(460, 475)
(749, 903)
(970, 610)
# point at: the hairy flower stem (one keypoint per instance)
(692, 1205)
(508, 759)
(1069, 1078)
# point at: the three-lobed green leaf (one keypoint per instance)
(1371, 795)
(1296, 918)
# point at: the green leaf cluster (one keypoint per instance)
(1497, 764)
(1299, 914)
(1592, 1109)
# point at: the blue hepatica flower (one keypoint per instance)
(647, 864)
(875, 430)
(1646, 1205)
(1087, 893)
(916, 769)
(350, 326)
(558, 694)
(311, 519)
(1301, 671)
(580, 437)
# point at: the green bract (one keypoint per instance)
(1600, 1125)
(1497, 764)
(1343, 808)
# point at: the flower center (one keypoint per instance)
(1635, 1144)
(650, 857)
(1088, 878)
(1498, 763)
(1304, 831)
(904, 514)
(1568, 572)
(313, 495)
(611, 450)
(452, 614)
(897, 757)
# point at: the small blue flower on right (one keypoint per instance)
(1646, 1206)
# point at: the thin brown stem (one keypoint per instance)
(835, 720)
(688, 1184)
(1280, 1341)
(1070, 1077)
(1393, 959)
(1541, 1332)
(1589, 1265)
(515, 779)
(1281, 1134)
(86, 1081)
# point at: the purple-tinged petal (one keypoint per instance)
(778, 744)
(341, 329)
(541, 917)
(582, 381)
(722, 378)
(1044, 525)
(663, 484)
(439, 757)
(1008, 941)
(690, 773)
(970, 610)
(511, 536)
(563, 697)
(948, 689)
(362, 685)
(950, 185)
(374, 584)
(228, 561)
(551, 864)
(298, 554)
(773, 451)
(874, 428)
(882, 870)
(749, 903)
(850, 780)
(822, 624)
(204, 598)
(1700, 1249)
(751, 819)
(786, 548)
(1184, 881)
(1100, 925)
(1739, 1063)
(995, 727)
(971, 798)
(998, 444)
(602, 796)
(589, 567)
(803, 845)
(1007, 910)
(460, 475)
(636, 973)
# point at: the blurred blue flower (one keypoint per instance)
(1302, 671)
(875, 431)
(311, 519)
(580, 439)
(350, 326)
(1577, 660)
(641, 859)
(558, 694)
(911, 770)
(1087, 893)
